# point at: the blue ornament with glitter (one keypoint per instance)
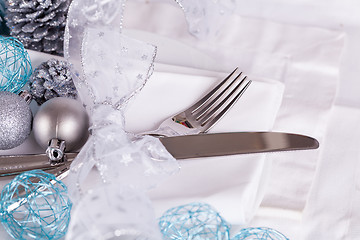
(194, 221)
(15, 65)
(260, 233)
(35, 205)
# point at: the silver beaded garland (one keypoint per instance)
(15, 120)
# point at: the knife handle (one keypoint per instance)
(16, 164)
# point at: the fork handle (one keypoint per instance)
(161, 132)
(169, 128)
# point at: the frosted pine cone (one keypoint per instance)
(38, 24)
(52, 79)
(3, 28)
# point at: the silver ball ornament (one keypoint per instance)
(15, 120)
(64, 119)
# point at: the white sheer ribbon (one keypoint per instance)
(109, 69)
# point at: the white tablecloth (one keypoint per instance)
(303, 57)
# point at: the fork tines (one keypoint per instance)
(214, 105)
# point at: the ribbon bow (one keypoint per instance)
(113, 166)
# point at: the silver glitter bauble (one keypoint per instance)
(15, 120)
(64, 119)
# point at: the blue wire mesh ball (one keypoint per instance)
(194, 221)
(15, 65)
(261, 233)
(34, 205)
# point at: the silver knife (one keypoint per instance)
(181, 147)
(222, 144)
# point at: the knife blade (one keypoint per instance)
(181, 147)
(221, 144)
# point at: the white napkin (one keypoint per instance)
(166, 94)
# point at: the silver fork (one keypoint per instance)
(205, 113)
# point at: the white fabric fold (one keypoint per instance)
(311, 82)
(332, 209)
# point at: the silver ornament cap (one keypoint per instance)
(15, 120)
(63, 119)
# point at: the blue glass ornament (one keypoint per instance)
(34, 205)
(15, 65)
(194, 221)
(261, 233)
